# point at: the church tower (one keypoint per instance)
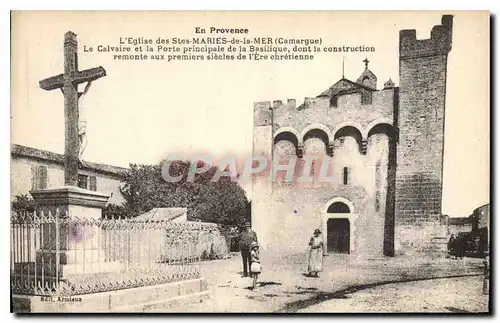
(422, 77)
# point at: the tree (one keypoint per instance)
(221, 202)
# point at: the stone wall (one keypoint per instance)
(422, 95)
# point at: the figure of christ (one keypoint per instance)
(82, 122)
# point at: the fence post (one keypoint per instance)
(57, 249)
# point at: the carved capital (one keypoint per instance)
(364, 145)
(300, 150)
(331, 147)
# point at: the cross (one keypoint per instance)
(366, 61)
(68, 83)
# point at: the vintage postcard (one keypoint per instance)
(250, 162)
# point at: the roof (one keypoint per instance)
(352, 87)
(342, 86)
(44, 155)
(162, 214)
(459, 221)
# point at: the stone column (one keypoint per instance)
(71, 237)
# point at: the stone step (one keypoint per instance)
(137, 299)
(166, 305)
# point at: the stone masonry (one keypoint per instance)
(384, 156)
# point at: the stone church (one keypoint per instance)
(384, 148)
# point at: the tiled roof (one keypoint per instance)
(332, 90)
(29, 152)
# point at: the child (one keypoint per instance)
(255, 267)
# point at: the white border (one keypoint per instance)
(189, 5)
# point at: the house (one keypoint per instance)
(33, 169)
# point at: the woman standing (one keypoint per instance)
(316, 254)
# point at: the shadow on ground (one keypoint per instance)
(342, 294)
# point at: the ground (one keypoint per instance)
(284, 286)
(455, 295)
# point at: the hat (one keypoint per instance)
(254, 244)
(247, 224)
(317, 231)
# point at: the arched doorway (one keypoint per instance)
(338, 226)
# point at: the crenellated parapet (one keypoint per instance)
(438, 44)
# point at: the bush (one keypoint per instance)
(113, 211)
(24, 203)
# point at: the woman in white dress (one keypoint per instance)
(316, 254)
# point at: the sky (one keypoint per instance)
(143, 111)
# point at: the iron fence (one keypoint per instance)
(53, 254)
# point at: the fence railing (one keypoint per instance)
(52, 254)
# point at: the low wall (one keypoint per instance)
(428, 237)
(149, 246)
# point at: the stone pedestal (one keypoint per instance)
(71, 235)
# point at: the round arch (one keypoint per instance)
(348, 124)
(341, 200)
(381, 123)
(319, 131)
(316, 126)
(288, 134)
(350, 130)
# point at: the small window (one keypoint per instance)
(93, 183)
(366, 97)
(346, 174)
(333, 101)
(83, 181)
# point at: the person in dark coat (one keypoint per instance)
(452, 246)
(246, 239)
(461, 245)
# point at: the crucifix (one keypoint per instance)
(68, 83)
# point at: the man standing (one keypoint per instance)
(246, 239)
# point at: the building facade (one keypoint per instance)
(480, 219)
(380, 147)
(33, 169)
